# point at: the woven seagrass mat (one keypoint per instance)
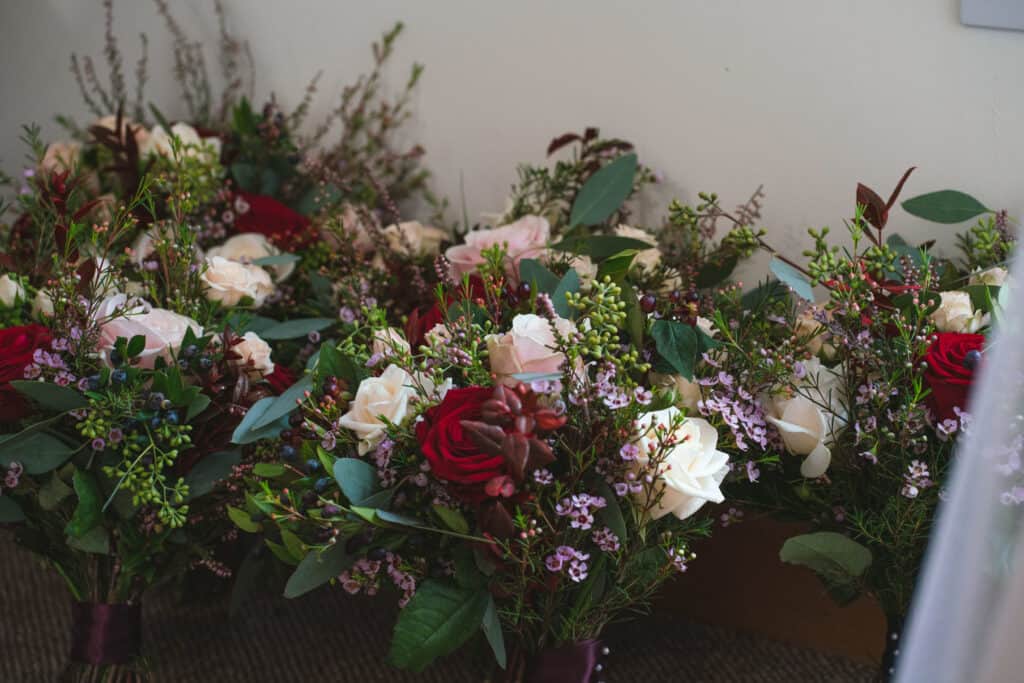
(327, 636)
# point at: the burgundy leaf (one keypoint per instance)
(590, 133)
(516, 449)
(899, 188)
(875, 211)
(84, 211)
(488, 438)
(561, 141)
(496, 520)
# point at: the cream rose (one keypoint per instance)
(993, 277)
(11, 291)
(158, 143)
(249, 246)
(691, 468)
(646, 258)
(145, 246)
(119, 316)
(529, 347)
(60, 157)
(807, 326)
(255, 354)
(379, 400)
(139, 132)
(810, 418)
(412, 238)
(230, 281)
(956, 314)
(526, 238)
(42, 304)
(389, 342)
(688, 392)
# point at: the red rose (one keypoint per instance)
(284, 227)
(280, 379)
(422, 321)
(448, 447)
(951, 367)
(17, 344)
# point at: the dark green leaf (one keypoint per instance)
(611, 514)
(268, 470)
(245, 580)
(211, 469)
(327, 195)
(95, 541)
(89, 510)
(242, 520)
(436, 622)
(677, 343)
(53, 492)
(713, 273)
(452, 518)
(246, 175)
(601, 247)
(763, 295)
(540, 278)
(277, 260)
(983, 296)
(604, 192)
(357, 479)
(196, 406)
(492, 631)
(332, 362)
(293, 329)
(51, 396)
(281, 553)
(10, 511)
(617, 267)
(945, 206)
(791, 277)
(316, 569)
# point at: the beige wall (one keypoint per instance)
(805, 96)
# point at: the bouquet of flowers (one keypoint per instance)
(525, 467)
(147, 273)
(869, 389)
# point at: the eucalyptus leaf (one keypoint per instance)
(604, 192)
(277, 260)
(437, 621)
(89, 511)
(246, 432)
(492, 631)
(211, 469)
(38, 452)
(285, 403)
(791, 277)
(357, 479)
(293, 329)
(51, 396)
(569, 284)
(837, 558)
(196, 406)
(243, 520)
(601, 247)
(538, 276)
(316, 569)
(452, 518)
(945, 206)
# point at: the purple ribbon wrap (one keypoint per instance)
(105, 634)
(574, 663)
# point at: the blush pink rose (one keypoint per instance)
(164, 330)
(526, 238)
(529, 347)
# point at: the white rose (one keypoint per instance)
(230, 281)
(993, 277)
(255, 354)
(158, 143)
(249, 246)
(706, 326)
(42, 304)
(389, 342)
(422, 240)
(529, 347)
(809, 419)
(11, 291)
(691, 467)
(956, 314)
(378, 399)
(119, 316)
(647, 258)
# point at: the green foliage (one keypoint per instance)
(316, 569)
(436, 622)
(838, 560)
(792, 278)
(945, 206)
(357, 479)
(51, 397)
(604, 192)
(293, 329)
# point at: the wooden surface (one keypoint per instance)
(738, 581)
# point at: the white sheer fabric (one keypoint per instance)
(968, 613)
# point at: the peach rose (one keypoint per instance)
(230, 281)
(60, 157)
(119, 316)
(412, 238)
(526, 238)
(158, 143)
(139, 131)
(529, 347)
(249, 246)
